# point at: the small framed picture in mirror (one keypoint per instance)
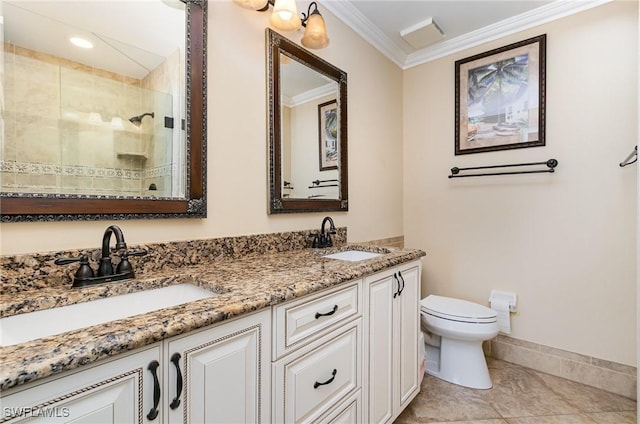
(328, 135)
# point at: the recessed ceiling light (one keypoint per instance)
(81, 42)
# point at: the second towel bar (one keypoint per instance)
(551, 164)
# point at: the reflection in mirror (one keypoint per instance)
(308, 102)
(307, 137)
(98, 116)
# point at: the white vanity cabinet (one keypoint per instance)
(347, 354)
(392, 305)
(317, 352)
(222, 373)
(224, 378)
(120, 390)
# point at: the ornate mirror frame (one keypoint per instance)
(21, 207)
(277, 44)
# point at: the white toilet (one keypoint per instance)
(454, 330)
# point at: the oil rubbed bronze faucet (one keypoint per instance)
(106, 267)
(85, 276)
(324, 238)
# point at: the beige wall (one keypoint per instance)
(237, 146)
(564, 242)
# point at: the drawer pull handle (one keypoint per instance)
(333, 311)
(395, 277)
(175, 358)
(329, 381)
(402, 279)
(153, 367)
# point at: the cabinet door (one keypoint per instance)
(408, 303)
(225, 373)
(381, 288)
(118, 391)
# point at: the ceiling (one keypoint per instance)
(121, 44)
(465, 23)
(45, 26)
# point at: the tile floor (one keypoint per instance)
(519, 396)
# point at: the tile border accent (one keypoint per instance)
(606, 375)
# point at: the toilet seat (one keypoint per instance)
(457, 310)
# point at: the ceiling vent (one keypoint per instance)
(422, 34)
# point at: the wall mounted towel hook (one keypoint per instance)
(632, 158)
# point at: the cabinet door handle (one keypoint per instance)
(395, 277)
(326, 314)
(153, 367)
(402, 279)
(175, 358)
(329, 381)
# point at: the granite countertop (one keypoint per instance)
(244, 284)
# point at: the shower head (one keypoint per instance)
(137, 120)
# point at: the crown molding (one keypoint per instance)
(353, 18)
(309, 95)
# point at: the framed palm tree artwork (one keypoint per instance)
(500, 98)
(328, 131)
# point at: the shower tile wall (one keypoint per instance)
(167, 152)
(66, 129)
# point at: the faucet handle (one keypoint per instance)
(83, 272)
(328, 242)
(316, 240)
(124, 265)
(136, 252)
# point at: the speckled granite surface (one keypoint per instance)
(37, 271)
(249, 273)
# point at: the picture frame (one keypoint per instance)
(328, 135)
(500, 98)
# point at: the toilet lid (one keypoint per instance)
(457, 309)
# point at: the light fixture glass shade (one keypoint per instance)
(251, 4)
(315, 35)
(285, 15)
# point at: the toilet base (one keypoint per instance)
(465, 364)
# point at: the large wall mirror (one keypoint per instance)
(307, 130)
(104, 110)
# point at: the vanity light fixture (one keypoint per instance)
(315, 34)
(285, 18)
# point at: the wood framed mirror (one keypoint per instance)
(307, 130)
(168, 180)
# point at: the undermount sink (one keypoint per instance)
(48, 322)
(353, 255)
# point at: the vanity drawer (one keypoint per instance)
(318, 378)
(348, 412)
(301, 321)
